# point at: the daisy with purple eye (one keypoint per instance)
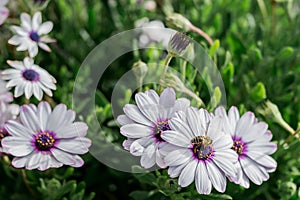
(251, 141)
(28, 78)
(199, 151)
(3, 11)
(46, 139)
(31, 34)
(7, 112)
(144, 123)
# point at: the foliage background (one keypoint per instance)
(258, 56)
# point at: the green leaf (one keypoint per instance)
(139, 195)
(285, 53)
(214, 48)
(258, 92)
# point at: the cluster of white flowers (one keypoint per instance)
(196, 145)
(37, 137)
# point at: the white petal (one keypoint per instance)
(176, 138)
(44, 46)
(15, 40)
(224, 142)
(225, 161)
(178, 124)
(123, 120)
(43, 113)
(20, 31)
(255, 132)
(66, 158)
(19, 162)
(16, 64)
(187, 175)
(45, 28)
(33, 161)
(133, 112)
(19, 90)
(167, 98)
(215, 128)
(148, 157)
(174, 171)
(262, 146)
(36, 20)
(153, 96)
(178, 157)
(135, 130)
(17, 146)
(77, 145)
(218, 179)
(233, 116)
(28, 117)
(16, 129)
(264, 160)
(147, 106)
(26, 21)
(77, 129)
(33, 50)
(159, 160)
(127, 143)
(244, 124)
(254, 172)
(28, 90)
(181, 104)
(203, 184)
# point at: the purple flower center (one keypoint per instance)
(3, 134)
(239, 146)
(159, 128)
(34, 36)
(31, 75)
(44, 141)
(202, 148)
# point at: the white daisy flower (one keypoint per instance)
(200, 151)
(31, 34)
(46, 139)
(251, 141)
(3, 11)
(7, 112)
(5, 96)
(29, 78)
(143, 124)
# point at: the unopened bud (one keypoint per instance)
(178, 22)
(140, 69)
(179, 44)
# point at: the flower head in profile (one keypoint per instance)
(144, 123)
(28, 78)
(251, 141)
(199, 151)
(7, 112)
(32, 34)
(46, 139)
(3, 11)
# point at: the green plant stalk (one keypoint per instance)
(24, 177)
(202, 33)
(263, 10)
(193, 95)
(163, 75)
(183, 70)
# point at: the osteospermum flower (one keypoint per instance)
(144, 123)
(199, 152)
(3, 11)
(31, 34)
(46, 139)
(251, 141)
(7, 112)
(28, 78)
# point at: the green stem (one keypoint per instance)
(193, 95)
(163, 75)
(26, 182)
(263, 10)
(183, 70)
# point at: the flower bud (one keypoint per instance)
(140, 69)
(178, 22)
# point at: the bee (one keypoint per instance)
(202, 140)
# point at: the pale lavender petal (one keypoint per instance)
(135, 130)
(218, 179)
(187, 175)
(203, 183)
(167, 98)
(78, 145)
(148, 157)
(176, 138)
